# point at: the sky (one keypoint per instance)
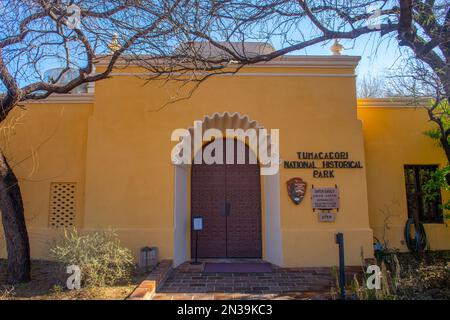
(376, 56)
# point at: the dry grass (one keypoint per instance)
(48, 284)
(404, 277)
(106, 293)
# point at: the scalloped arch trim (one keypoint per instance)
(221, 122)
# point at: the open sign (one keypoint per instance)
(197, 223)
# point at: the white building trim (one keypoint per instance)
(272, 242)
(392, 102)
(240, 74)
(64, 99)
(286, 61)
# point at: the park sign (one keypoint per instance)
(326, 198)
(296, 188)
(323, 164)
(327, 217)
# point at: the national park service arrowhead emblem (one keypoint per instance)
(296, 189)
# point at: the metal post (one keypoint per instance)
(340, 242)
(197, 225)
(196, 247)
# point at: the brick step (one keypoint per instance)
(155, 280)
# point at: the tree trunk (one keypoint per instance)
(405, 31)
(446, 147)
(13, 218)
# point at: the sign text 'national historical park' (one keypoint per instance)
(323, 163)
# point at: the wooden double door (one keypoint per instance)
(228, 196)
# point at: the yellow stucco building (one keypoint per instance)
(104, 159)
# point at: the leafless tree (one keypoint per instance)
(371, 87)
(219, 30)
(37, 35)
(418, 81)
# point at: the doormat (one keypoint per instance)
(238, 267)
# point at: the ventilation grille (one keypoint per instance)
(62, 204)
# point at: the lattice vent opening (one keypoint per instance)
(62, 204)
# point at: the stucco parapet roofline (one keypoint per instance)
(65, 98)
(286, 61)
(401, 102)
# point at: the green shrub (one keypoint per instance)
(102, 259)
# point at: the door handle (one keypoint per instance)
(226, 209)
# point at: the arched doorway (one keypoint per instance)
(228, 196)
(182, 224)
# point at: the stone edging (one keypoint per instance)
(146, 290)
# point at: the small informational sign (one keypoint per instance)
(325, 198)
(327, 217)
(198, 223)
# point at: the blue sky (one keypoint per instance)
(376, 56)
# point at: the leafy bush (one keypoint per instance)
(102, 259)
(432, 189)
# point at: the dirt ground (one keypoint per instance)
(48, 284)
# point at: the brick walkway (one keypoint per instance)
(189, 282)
(242, 296)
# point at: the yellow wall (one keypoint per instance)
(129, 182)
(393, 137)
(46, 143)
(118, 149)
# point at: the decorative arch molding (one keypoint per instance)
(222, 122)
(272, 240)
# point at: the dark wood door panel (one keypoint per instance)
(244, 219)
(235, 232)
(207, 192)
